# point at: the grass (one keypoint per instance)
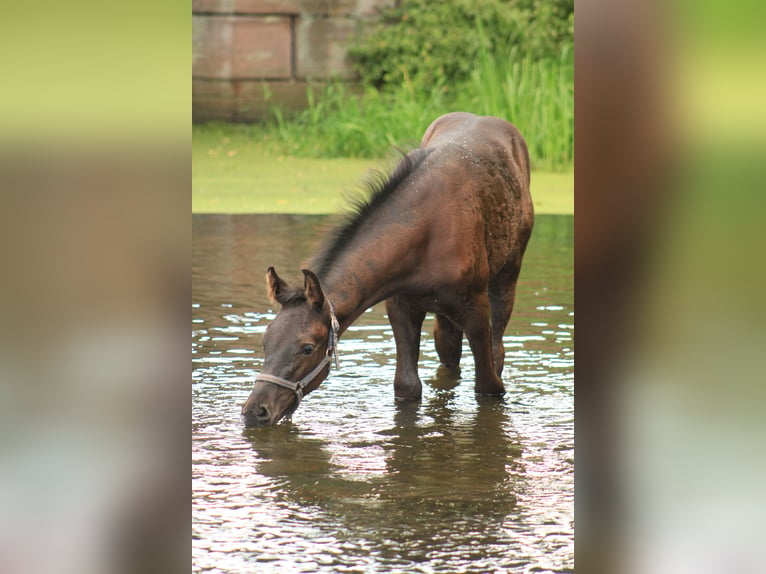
(242, 169)
(536, 95)
(303, 162)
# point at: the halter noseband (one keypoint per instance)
(332, 350)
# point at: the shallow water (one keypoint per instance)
(355, 482)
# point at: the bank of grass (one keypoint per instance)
(244, 169)
(352, 121)
(303, 162)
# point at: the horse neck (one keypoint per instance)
(367, 273)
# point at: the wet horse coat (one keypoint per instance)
(445, 233)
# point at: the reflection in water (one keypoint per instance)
(444, 478)
(357, 483)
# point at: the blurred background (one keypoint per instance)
(95, 290)
(300, 99)
(670, 149)
(95, 178)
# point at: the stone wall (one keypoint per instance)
(248, 54)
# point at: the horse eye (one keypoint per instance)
(307, 350)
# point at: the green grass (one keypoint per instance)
(345, 121)
(303, 162)
(348, 121)
(241, 169)
(536, 95)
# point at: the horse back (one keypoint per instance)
(486, 136)
(480, 169)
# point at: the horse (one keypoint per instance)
(445, 233)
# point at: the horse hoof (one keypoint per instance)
(493, 393)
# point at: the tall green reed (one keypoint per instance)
(344, 120)
(536, 95)
(348, 121)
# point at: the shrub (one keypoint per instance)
(438, 42)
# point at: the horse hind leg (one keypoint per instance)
(448, 339)
(406, 323)
(502, 294)
(476, 324)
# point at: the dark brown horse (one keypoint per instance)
(445, 233)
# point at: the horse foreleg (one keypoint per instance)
(406, 322)
(476, 324)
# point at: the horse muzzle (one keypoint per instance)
(267, 405)
(257, 416)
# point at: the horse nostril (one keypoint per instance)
(260, 413)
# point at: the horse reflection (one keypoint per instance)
(465, 463)
(449, 478)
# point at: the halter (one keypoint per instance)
(332, 350)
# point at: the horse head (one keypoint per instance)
(297, 345)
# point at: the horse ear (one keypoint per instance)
(276, 286)
(314, 294)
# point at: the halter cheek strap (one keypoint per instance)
(332, 350)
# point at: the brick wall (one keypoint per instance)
(244, 49)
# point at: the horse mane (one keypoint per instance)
(380, 186)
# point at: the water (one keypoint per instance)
(355, 482)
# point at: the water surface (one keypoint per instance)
(355, 482)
